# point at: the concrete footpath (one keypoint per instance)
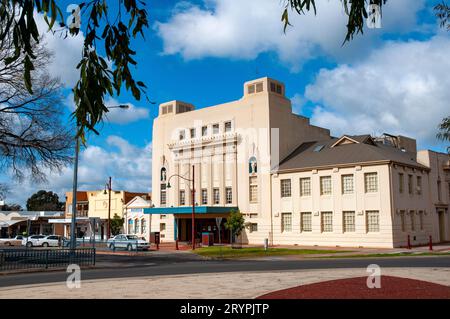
(216, 285)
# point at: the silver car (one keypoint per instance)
(129, 242)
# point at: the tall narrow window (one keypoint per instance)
(326, 222)
(410, 185)
(136, 226)
(162, 198)
(371, 182)
(412, 215)
(349, 222)
(215, 128)
(421, 219)
(204, 130)
(305, 186)
(347, 184)
(400, 183)
(286, 222)
(182, 135)
(216, 196)
(402, 220)
(439, 190)
(305, 222)
(143, 226)
(182, 197)
(325, 185)
(285, 188)
(253, 190)
(419, 185)
(229, 195)
(227, 127)
(373, 221)
(193, 133)
(204, 196)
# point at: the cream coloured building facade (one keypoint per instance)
(294, 183)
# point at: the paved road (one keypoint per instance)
(178, 264)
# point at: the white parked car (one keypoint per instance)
(42, 240)
(15, 241)
(129, 242)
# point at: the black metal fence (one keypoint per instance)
(32, 258)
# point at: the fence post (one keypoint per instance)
(431, 243)
(46, 258)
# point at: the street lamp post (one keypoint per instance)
(109, 187)
(193, 200)
(73, 239)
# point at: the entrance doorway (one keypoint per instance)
(441, 215)
(202, 225)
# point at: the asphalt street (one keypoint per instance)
(181, 264)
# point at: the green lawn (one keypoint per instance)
(228, 252)
(389, 255)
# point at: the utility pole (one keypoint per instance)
(109, 207)
(73, 236)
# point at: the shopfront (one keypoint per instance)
(208, 219)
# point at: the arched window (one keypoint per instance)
(143, 226)
(163, 174)
(136, 226)
(130, 226)
(252, 165)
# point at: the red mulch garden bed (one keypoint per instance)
(356, 288)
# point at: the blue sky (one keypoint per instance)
(392, 79)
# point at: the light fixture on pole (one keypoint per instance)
(73, 239)
(193, 200)
(108, 186)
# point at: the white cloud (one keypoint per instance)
(118, 115)
(128, 165)
(297, 103)
(244, 29)
(66, 52)
(401, 88)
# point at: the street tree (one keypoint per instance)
(116, 224)
(444, 131)
(32, 137)
(104, 29)
(44, 201)
(235, 223)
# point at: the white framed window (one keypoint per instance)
(419, 185)
(215, 128)
(227, 127)
(162, 226)
(305, 222)
(373, 221)
(401, 183)
(193, 133)
(204, 196)
(182, 197)
(216, 196)
(286, 222)
(326, 221)
(253, 227)
(182, 135)
(305, 186)
(229, 195)
(410, 185)
(253, 190)
(412, 216)
(325, 185)
(130, 226)
(251, 89)
(371, 182)
(136, 226)
(402, 220)
(285, 187)
(421, 220)
(259, 87)
(347, 184)
(204, 130)
(348, 221)
(162, 195)
(143, 226)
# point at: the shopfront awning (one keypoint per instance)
(8, 223)
(188, 210)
